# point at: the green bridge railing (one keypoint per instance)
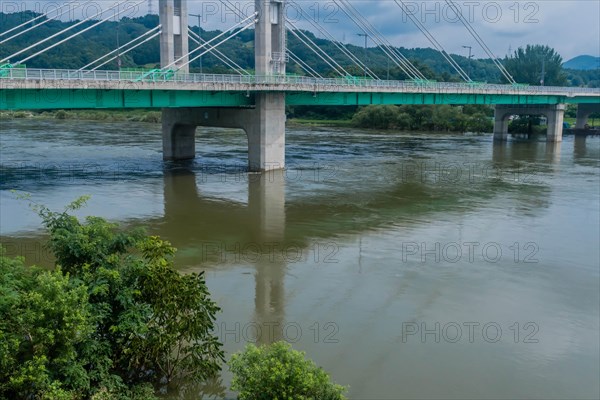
(294, 82)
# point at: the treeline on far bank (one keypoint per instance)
(467, 118)
(424, 118)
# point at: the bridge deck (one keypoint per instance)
(35, 88)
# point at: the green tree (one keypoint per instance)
(44, 319)
(279, 372)
(376, 117)
(152, 323)
(112, 319)
(534, 62)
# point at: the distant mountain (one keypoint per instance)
(583, 62)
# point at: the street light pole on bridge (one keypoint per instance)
(366, 39)
(470, 57)
(200, 36)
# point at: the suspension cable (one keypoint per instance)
(128, 50)
(342, 48)
(334, 68)
(70, 37)
(219, 54)
(304, 65)
(41, 23)
(63, 31)
(373, 36)
(433, 41)
(479, 40)
(29, 22)
(397, 57)
(189, 53)
(218, 44)
(119, 48)
(316, 49)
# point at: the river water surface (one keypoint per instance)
(409, 266)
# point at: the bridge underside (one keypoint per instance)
(48, 99)
(70, 98)
(554, 114)
(364, 99)
(263, 124)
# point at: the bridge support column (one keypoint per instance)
(556, 119)
(265, 124)
(266, 133)
(500, 124)
(554, 114)
(583, 113)
(264, 127)
(179, 137)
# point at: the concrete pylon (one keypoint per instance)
(264, 124)
(173, 16)
(269, 38)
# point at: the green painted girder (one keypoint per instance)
(69, 98)
(363, 99)
(48, 99)
(582, 100)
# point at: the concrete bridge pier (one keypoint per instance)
(554, 114)
(583, 113)
(266, 133)
(264, 124)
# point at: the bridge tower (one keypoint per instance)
(173, 16)
(264, 124)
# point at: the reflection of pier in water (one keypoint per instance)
(235, 231)
(192, 220)
(210, 232)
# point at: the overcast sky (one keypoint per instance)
(571, 27)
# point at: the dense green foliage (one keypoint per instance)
(590, 78)
(277, 372)
(470, 118)
(113, 318)
(536, 62)
(38, 357)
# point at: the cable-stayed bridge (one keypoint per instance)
(255, 101)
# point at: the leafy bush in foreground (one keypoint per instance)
(277, 372)
(113, 318)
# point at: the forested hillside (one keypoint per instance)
(100, 40)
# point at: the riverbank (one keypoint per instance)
(149, 116)
(335, 123)
(153, 116)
